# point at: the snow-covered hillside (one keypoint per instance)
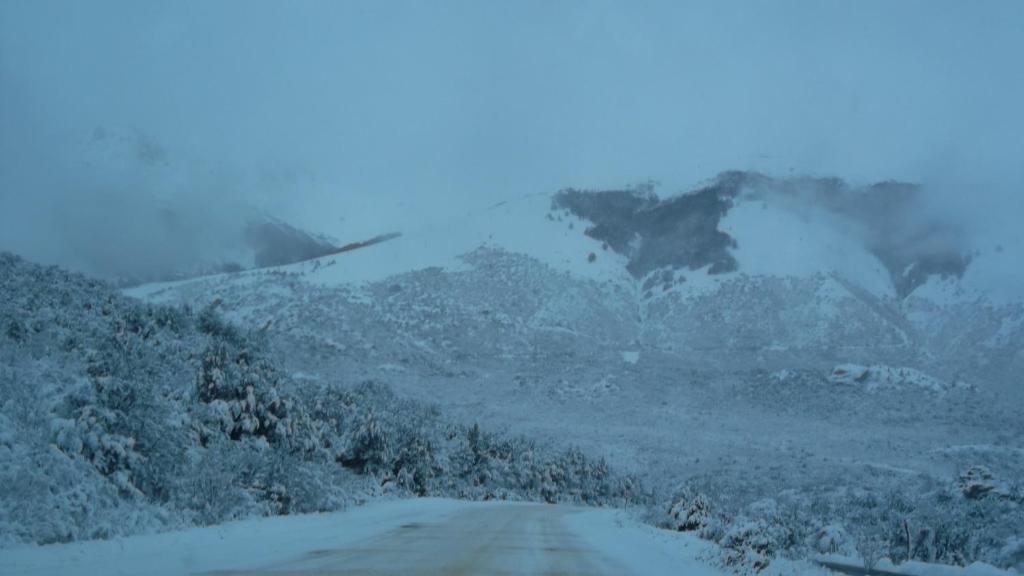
(737, 224)
(693, 367)
(771, 367)
(118, 417)
(744, 264)
(774, 239)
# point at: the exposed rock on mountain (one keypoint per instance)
(683, 231)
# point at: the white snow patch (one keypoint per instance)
(519, 225)
(775, 240)
(880, 376)
(231, 546)
(915, 568)
(996, 275)
(945, 291)
(699, 283)
(622, 538)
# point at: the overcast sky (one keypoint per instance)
(316, 111)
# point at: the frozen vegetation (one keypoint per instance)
(743, 279)
(779, 415)
(120, 417)
(814, 411)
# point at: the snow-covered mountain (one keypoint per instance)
(769, 269)
(878, 237)
(792, 327)
(754, 324)
(609, 300)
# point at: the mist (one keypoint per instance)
(354, 119)
(711, 287)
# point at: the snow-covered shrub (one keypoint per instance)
(407, 446)
(117, 416)
(101, 421)
(833, 539)
(929, 526)
(48, 497)
(369, 448)
(690, 512)
(951, 529)
(492, 465)
(213, 486)
(977, 482)
(417, 465)
(113, 455)
(238, 393)
(1012, 554)
(922, 520)
(369, 430)
(211, 323)
(231, 479)
(750, 543)
(300, 485)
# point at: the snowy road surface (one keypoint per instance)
(511, 539)
(410, 537)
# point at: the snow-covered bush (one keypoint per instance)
(48, 497)
(118, 416)
(234, 479)
(1012, 554)
(833, 539)
(901, 521)
(750, 543)
(219, 482)
(493, 466)
(977, 482)
(369, 430)
(369, 448)
(690, 511)
(239, 394)
(113, 455)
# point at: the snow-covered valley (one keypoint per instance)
(479, 287)
(791, 403)
(813, 383)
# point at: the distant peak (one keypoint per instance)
(684, 232)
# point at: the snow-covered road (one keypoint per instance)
(409, 537)
(509, 539)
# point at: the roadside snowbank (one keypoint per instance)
(234, 545)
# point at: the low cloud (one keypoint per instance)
(389, 113)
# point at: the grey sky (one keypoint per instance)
(308, 109)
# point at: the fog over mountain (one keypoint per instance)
(354, 120)
(745, 276)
